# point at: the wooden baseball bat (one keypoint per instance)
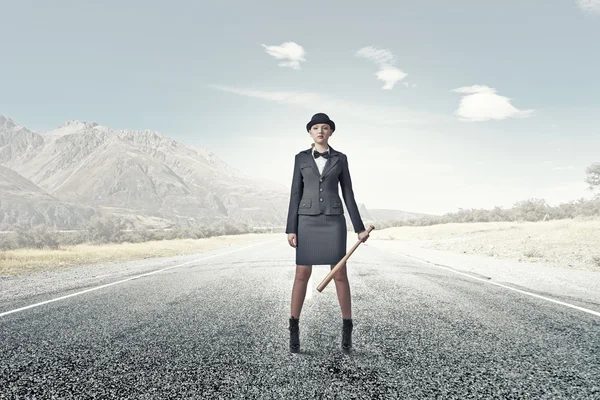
(338, 266)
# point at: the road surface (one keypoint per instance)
(214, 325)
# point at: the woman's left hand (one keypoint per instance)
(363, 236)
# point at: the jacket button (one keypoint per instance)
(320, 199)
(321, 180)
(321, 189)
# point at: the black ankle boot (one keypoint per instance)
(347, 334)
(294, 335)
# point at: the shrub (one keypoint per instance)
(36, 236)
(104, 230)
(527, 210)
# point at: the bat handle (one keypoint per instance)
(332, 273)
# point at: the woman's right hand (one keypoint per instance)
(292, 239)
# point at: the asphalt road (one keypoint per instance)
(217, 328)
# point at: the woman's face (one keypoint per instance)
(320, 133)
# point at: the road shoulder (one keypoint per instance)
(565, 284)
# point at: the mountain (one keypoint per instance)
(152, 181)
(133, 173)
(16, 142)
(21, 201)
(14, 185)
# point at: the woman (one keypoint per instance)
(316, 225)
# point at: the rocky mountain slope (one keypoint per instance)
(133, 174)
(22, 201)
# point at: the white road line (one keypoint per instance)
(497, 284)
(130, 278)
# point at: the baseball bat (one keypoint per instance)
(338, 266)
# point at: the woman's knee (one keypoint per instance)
(303, 272)
(341, 275)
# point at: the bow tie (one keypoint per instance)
(325, 154)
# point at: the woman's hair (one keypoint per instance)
(312, 144)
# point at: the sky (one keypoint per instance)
(438, 105)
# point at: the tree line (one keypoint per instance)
(533, 209)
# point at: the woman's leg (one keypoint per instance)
(299, 289)
(342, 287)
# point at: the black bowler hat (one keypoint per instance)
(320, 118)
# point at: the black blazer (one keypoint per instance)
(313, 193)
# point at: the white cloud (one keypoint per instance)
(589, 5)
(384, 59)
(481, 103)
(380, 115)
(563, 168)
(292, 53)
(381, 57)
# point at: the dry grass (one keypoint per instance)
(569, 242)
(31, 260)
(573, 243)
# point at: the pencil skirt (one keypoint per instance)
(321, 239)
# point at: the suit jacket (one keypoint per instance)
(314, 193)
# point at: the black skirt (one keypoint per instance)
(321, 239)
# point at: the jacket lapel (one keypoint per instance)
(331, 161)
